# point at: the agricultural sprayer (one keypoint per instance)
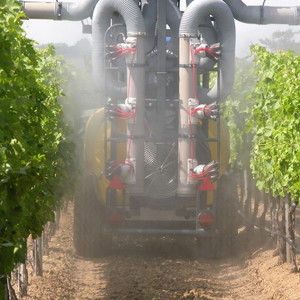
(156, 150)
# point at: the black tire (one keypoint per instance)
(89, 238)
(226, 217)
(206, 247)
(222, 243)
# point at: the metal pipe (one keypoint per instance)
(73, 11)
(196, 14)
(160, 232)
(264, 14)
(40, 10)
(77, 11)
(133, 19)
(161, 69)
(135, 127)
(185, 140)
(173, 16)
(149, 15)
(173, 20)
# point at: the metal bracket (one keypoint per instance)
(131, 178)
(191, 164)
(193, 103)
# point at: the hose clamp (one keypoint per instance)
(187, 35)
(136, 34)
(58, 10)
(261, 16)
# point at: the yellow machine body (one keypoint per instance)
(94, 149)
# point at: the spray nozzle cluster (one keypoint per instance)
(210, 170)
(204, 111)
(116, 51)
(121, 111)
(213, 51)
(122, 168)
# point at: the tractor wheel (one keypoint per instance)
(222, 243)
(226, 217)
(206, 247)
(89, 238)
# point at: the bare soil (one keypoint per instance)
(161, 269)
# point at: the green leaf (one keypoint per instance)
(36, 155)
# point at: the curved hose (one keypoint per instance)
(196, 14)
(101, 21)
(127, 9)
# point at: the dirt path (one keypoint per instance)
(158, 269)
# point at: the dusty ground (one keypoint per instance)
(160, 269)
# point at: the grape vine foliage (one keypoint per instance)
(36, 156)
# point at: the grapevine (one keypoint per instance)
(35, 152)
(275, 161)
(263, 117)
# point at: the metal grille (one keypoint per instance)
(161, 168)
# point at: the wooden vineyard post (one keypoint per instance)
(38, 256)
(22, 280)
(281, 244)
(291, 251)
(10, 292)
(287, 230)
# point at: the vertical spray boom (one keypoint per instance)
(196, 14)
(135, 61)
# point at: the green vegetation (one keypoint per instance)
(237, 110)
(275, 123)
(36, 156)
(263, 115)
